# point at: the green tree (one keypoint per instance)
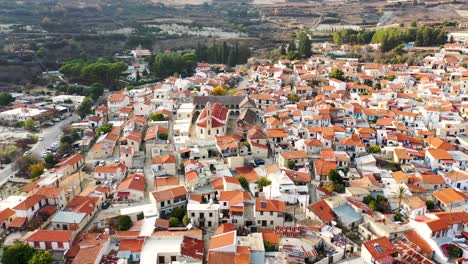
(243, 182)
(6, 99)
(166, 64)
(85, 107)
(50, 160)
(124, 223)
(29, 124)
(179, 213)
(41, 257)
(157, 117)
(293, 98)
(374, 149)
(400, 194)
(269, 246)
(163, 136)
(95, 91)
(413, 24)
(174, 222)
(337, 74)
(186, 220)
(104, 129)
(291, 164)
(430, 205)
(262, 182)
(304, 47)
(18, 253)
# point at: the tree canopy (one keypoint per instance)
(337, 74)
(262, 182)
(85, 107)
(124, 222)
(102, 71)
(104, 129)
(390, 38)
(163, 65)
(6, 99)
(304, 47)
(41, 257)
(18, 253)
(157, 117)
(224, 53)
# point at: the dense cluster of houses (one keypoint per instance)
(292, 165)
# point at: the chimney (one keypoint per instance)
(262, 204)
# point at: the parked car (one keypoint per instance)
(40, 139)
(258, 162)
(56, 119)
(27, 153)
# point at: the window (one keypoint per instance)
(271, 222)
(173, 258)
(379, 249)
(209, 223)
(193, 214)
(161, 259)
(211, 214)
(261, 213)
(271, 213)
(162, 204)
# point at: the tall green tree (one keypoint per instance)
(41, 257)
(263, 182)
(337, 74)
(124, 223)
(304, 47)
(18, 253)
(400, 194)
(85, 107)
(6, 99)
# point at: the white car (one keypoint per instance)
(27, 153)
(40, 139)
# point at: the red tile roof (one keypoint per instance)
(5, 214)
(323, 211)
(133, 182)
(133, 245)
(50, 236)
(413, 236)
(380, 247)
(223, 240)
(193, 248)
(168, 194)
(18, 222)
(224, 228)
(164, 159)
(72, 160)
(166, 181)
(29, 202)
(265, 205)
(218, 116)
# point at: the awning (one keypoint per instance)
(123, 194)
